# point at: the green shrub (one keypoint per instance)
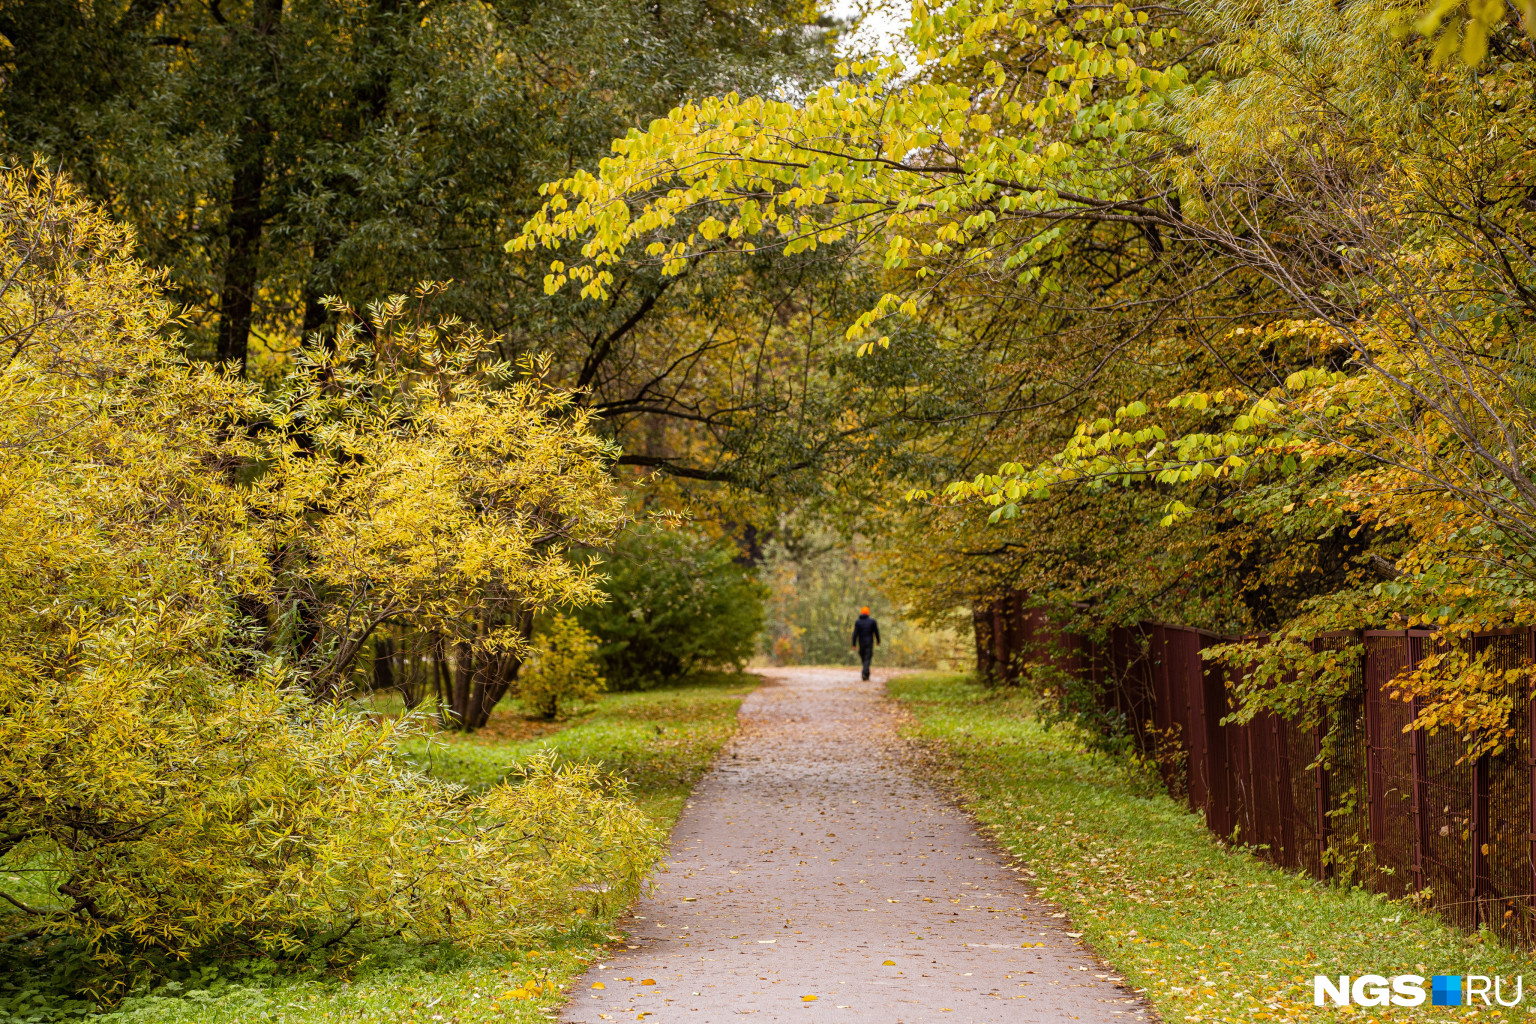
(677, 603)
(565, 670)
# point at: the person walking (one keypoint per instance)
(866, 633)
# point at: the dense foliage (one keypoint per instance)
(677, 602)
(1267, 271)
(168, 785)
(565, 670)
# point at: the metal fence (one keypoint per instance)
(1400, 810)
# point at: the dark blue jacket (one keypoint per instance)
(866, 631)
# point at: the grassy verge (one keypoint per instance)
(661, 741)
(1210, 934)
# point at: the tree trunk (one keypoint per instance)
(480, 681)
(248, 165)
(463, 686)
(981, 627)
(442, 676)
(315, 313)
(383, 664)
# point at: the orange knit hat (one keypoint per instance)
(864, 610)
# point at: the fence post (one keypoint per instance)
(1211, 679)
(1391, 653)
(1320, 785)
(1181, 675)
(1374, 782)
(1477, 890)
(1188, 676)
(1420, 774)
(1284, 801)
(1530, 759)
(1162, 693)
(1320, 797)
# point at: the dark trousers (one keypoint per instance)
(866, 652)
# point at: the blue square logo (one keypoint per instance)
(1445, 990)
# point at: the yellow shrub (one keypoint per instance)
(564, 671)
(164, 789)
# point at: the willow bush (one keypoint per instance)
(169, 787)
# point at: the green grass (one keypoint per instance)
(658, 740)
(661, 741)
(1209, 933)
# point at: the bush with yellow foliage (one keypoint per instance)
(168, 783)
(565, 670)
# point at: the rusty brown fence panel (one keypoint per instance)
(1181, 652)
(1394, 778)
(1505, 881)
(1398, 809)
(1220, 799)
(1303, 796)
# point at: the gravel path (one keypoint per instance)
(812, 878)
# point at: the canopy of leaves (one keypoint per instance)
(1266, 275)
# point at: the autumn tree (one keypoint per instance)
(410, 480)
(1228, 214)
(275, 152)
(167, 788)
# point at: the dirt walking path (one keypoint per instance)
(812, 878)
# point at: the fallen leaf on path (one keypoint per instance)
(807, 999)
(889, 963)
(598, 984)
(649, 981)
